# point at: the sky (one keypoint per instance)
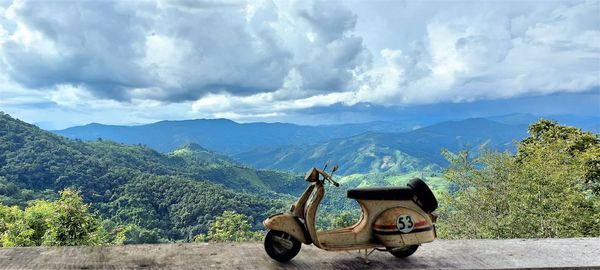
(66, 63)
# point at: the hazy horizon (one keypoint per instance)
(423, 115)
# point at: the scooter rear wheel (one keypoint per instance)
(403, 252)
(281, 246)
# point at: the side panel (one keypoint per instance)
(298, 209)
(403, 226)
(289, 224)
(310, 212)
(361, 235)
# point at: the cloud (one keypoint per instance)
(264, 102)
(327, 20)
(273, 59)
(492, 54)
(177, 51)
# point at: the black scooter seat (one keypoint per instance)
(381, 193)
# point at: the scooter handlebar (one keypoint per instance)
(327, 177)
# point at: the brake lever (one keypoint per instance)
(336, 184)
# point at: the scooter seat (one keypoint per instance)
(381, 193)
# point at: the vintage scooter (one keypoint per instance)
(398, 219)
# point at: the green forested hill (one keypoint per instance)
(395, 153)
(175, 194)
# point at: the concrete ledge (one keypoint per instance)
(574, 253)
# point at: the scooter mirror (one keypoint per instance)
(326, 164)
(335, 168)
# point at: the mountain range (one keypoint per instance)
(397, 153)
(164, 178)
(373, 147)
(221, 135)
(229, 137)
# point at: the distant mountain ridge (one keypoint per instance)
(374, 147)
(228, 137)
(390, 152)
(589, 123)
(221, 135)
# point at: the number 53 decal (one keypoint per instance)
(405, 223)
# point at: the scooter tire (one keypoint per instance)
(403, 252)
(425, 195)
(277, 251)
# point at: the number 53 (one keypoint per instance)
(405, 223)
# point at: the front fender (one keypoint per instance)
(290, 224)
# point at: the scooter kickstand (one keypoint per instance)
(366, 258)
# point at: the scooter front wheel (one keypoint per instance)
(281, 246)
(403, 252)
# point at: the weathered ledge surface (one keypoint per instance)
(574, 253)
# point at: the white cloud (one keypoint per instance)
(255, 106)
(264, 59)
(180, 50)
(469, 56)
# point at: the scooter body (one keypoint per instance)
(392, 218)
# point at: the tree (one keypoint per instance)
(12, 232)
(477, 197)
(229, 227)
(580, 146)
(72, 224)
(548, 189)
(65, 222)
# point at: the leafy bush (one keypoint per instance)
(65, 222)
(548, 189)
(229, 227)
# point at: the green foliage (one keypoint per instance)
(345, 219)
(548, 189)
(229, 227)
(388, 153)
(71, 224)
(65, 222)
(166, 204)
(11, 225)
(133, 234)
(165, 197)
(574, 144)
(330, 220)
